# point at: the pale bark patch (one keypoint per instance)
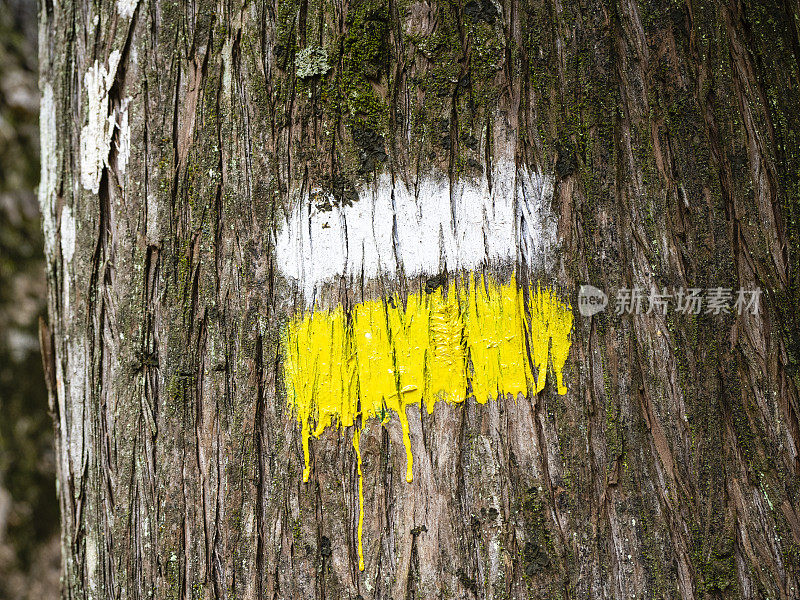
(48, 176)
(96, 134)
(125, 8)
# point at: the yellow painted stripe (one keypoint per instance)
(493, 339)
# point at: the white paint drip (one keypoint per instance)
(125, 8)
(96, 134)
(47, 178)
(67, 234)
(389, 229)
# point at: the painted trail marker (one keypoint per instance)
(475, 337)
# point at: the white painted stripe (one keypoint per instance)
(389, 228)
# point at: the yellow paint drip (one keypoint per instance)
(382, 357)
(356, 439)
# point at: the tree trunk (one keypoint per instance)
(227, 187)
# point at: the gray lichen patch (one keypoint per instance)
(312, 61)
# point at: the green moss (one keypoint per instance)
(365, 52)
(719, 569)
(536, 553)
(286, 33)
(173, 575)
(613, 430)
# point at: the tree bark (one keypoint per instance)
(179, 140)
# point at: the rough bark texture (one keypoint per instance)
(671, 466)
